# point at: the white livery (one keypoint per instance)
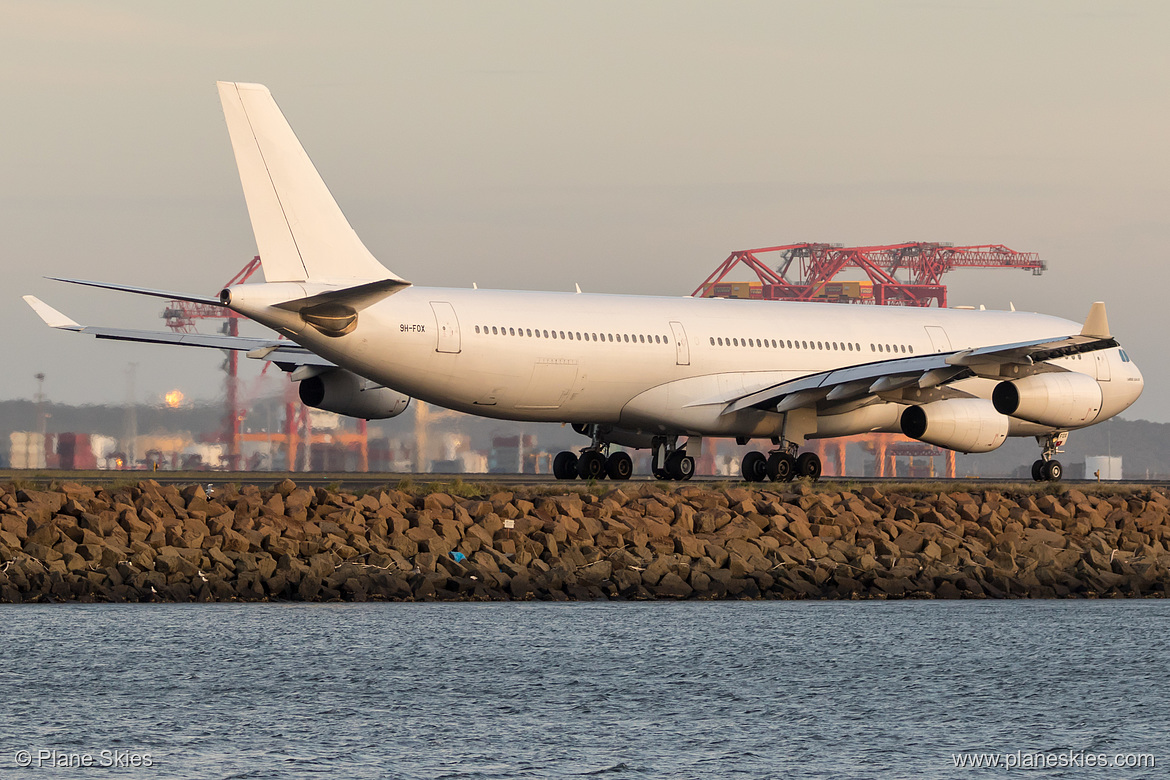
(634, 371)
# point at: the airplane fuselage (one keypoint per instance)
(648, 363)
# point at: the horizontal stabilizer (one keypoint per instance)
(286, 354)
(357, 297)
(171, 296)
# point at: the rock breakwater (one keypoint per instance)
(148, 542)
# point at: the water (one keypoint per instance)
(686, 690)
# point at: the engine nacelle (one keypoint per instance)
(344, 392)
(1062, 399)
(963, 424)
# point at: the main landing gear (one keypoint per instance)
(668, 460)
(592, 464)
(677, 466)
(1047, 468)
(595, 461)
(780, 465)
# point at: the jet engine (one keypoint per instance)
(963, 424)
(344, 392)
(1061, 399)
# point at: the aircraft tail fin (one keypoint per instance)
(301, 233)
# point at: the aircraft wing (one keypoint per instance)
(286, 354)
(918, 373)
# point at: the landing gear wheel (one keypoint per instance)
(754, 467)
(1053, 471)
(565, 465)
(680, 465)
(781, 467)
(809, 465)
(619, 466)
(591, 465)
(1038, 471)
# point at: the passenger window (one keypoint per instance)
(477, 329)
(774, 343)
(641, 338)
(494, 330)
(911, 348)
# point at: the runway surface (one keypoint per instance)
(369, 481)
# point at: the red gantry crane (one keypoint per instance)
(805, 272)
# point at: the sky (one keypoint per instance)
(625, 146)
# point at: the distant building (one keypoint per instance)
(1103, 467)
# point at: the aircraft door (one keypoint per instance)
(1102, 357)
(682, 349)
(939, 341)
(446, 326)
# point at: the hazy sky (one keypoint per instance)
(627, 146)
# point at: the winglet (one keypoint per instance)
(52, 317)
(1097, 323)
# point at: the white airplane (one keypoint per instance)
(637, 372)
